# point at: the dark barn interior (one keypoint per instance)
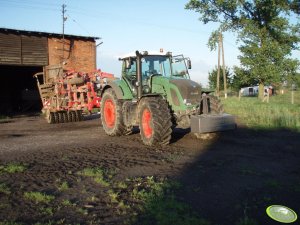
(19, 93)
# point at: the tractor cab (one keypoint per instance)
(141, 68)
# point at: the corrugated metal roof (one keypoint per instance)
(45, 34)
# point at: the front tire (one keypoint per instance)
(155, 121)
(111, 114)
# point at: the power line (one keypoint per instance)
(79, 25)
(36, 5)
(18, 5)
(29, 2)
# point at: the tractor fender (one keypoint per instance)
(115, 87)
(151, 95)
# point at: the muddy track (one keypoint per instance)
(220, 178)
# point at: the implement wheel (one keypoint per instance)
(69, 115)
(79, 115)
(50, 117)
(155, 121)
(61, 117)
(111, 114)
(56, 117)
(65, 116)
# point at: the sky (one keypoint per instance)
(125, 26)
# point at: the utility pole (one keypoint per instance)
(223, 64)
(221, 48)
(218, 74)
(63, 31)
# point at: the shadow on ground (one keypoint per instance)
(233, 181)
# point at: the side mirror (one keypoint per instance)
(189, 64)
(128, 63)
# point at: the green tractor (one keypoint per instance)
(155, 93)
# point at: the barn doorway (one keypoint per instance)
(18, 90)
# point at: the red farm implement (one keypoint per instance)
(66, 94)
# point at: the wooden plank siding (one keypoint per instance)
(23, 50)
(34, 50)
(10, 49)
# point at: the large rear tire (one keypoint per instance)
(111, 114)
(211, 105)
(155, 121)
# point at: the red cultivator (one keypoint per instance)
(66, 94)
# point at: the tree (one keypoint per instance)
(240, 78)
(264, 30)
(212, 78)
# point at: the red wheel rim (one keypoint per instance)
(146, 119)
(109, 113)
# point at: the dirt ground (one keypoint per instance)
(223, 180)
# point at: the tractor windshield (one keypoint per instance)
(164, 65)
(156, 65)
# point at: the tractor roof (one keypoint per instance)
(133, 54)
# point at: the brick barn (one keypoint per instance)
(24, 53)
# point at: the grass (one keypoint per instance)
(4, 189)
(247, 221)
(63, 186)
(278, 113)
(2, 117)
(66, 202)
(246, 171)
(98, 174)
(12, 168)
(47, 211)
(272, 184)
(10, 223)
(122, 185)
(82, 211)
(113, 196)
(159, 205)
(38, 197)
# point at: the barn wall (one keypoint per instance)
(23, 50)
(34, 50)
(79, 55)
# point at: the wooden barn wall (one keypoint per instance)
(79, 55)
(10, 49)
(23, 50)
(34, 50)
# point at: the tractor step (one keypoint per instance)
(212, 123)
